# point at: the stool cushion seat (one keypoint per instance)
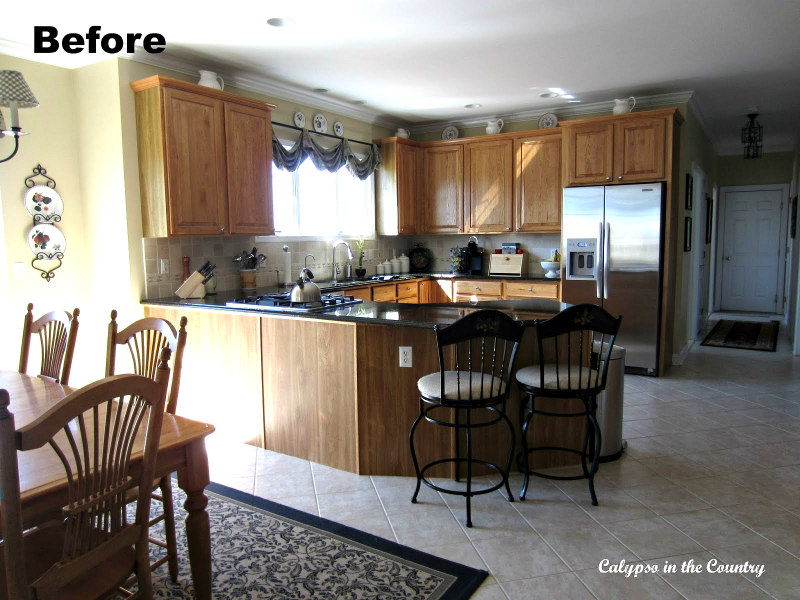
(583, 379)
(471, 385)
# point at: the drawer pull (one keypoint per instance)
(530, 289)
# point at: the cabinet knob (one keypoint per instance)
(222, 230)
(402, 229)
(477, 288)
(530, 289)
(508, 228)
(619, 178)
(608, 178)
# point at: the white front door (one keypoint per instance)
(751, 248)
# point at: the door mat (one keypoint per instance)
(745, 335)
(262, 549)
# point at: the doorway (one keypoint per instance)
(751, 248)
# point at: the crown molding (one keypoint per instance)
(572, 110)
(270, 87)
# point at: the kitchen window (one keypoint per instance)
(310, 202)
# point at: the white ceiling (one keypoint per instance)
(418, 62)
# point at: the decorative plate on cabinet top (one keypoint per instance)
(46, 239)
(548, 121)
(450, 132)
(320, 123)
(44, 204)
(299, 119)
(338, 128)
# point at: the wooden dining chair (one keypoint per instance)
(57, 331)
(92, 549)
(145, 339)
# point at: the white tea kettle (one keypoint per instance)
(624, 106)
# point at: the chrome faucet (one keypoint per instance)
(348, 266)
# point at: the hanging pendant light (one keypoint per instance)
(752, 135)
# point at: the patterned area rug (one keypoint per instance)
(746, 335)
(261, 549)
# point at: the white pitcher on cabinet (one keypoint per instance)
(624, 106)
(210, 79)
(494, 126)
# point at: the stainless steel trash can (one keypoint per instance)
(609, 407)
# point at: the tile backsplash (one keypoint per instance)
(221, 250)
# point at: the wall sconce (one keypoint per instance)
(15, 94)
(752, 134)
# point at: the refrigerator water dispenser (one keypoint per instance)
(582, 258)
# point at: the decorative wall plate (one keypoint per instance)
(548, 121)
(299, 119)
(450, 132)
(338, 128)
(320, 123)
(44, 204)
(47, 240)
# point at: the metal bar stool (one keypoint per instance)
(484, 346)
(579, 340)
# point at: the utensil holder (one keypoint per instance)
(248, 279)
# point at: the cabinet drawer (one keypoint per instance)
(474, 298)
(365, 293)
(384, 293)
(478, 287)
(409, 300)
(407, 290)
(532, 290)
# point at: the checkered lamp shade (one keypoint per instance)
(14, 88)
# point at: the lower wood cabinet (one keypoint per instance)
(521, 290)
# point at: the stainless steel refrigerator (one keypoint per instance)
(612, 255)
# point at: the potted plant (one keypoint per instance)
(360, 270)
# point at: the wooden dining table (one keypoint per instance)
(43, 485)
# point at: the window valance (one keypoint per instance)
(330, 159)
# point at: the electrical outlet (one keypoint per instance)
(164, 267)
(405, 356)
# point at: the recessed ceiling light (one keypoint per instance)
(280, 22)
(573, 101)
(357, 102)
(548, 95)
(568, 96)
(475, 105)
(321, 90)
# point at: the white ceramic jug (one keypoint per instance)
(624, 106)
(494, 126)
(403, 133)
(211, 80)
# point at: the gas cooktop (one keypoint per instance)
(282, 302)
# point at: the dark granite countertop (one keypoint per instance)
(381, 313)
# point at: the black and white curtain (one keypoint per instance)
(330, 159)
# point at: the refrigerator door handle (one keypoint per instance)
(606, 244)
(598, 262)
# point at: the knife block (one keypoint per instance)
(193, 287)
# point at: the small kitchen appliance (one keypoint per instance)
(506, 265)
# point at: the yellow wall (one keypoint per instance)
(773, 167)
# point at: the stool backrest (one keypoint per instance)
(58, 331)
(484, 347)
(145, 339)
(576, 345)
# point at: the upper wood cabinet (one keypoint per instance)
(205, 160)
(488, 181)
(443, 188)
(620, 149)
(398, 185)
(537, 182)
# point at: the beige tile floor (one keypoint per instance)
(711, 472)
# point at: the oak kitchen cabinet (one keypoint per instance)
(205, 160)
(488, 174)
(619, 149)
(443, 188)
(537, 182)
(398, 186)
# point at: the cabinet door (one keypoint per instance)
(409, 161)
(195, 156)
(488, 176)
(537, 196)
(384, 293)
(639, 149)
(248, 134)
(588, 153)
(444, 189)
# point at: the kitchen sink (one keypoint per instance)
(335, 285)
